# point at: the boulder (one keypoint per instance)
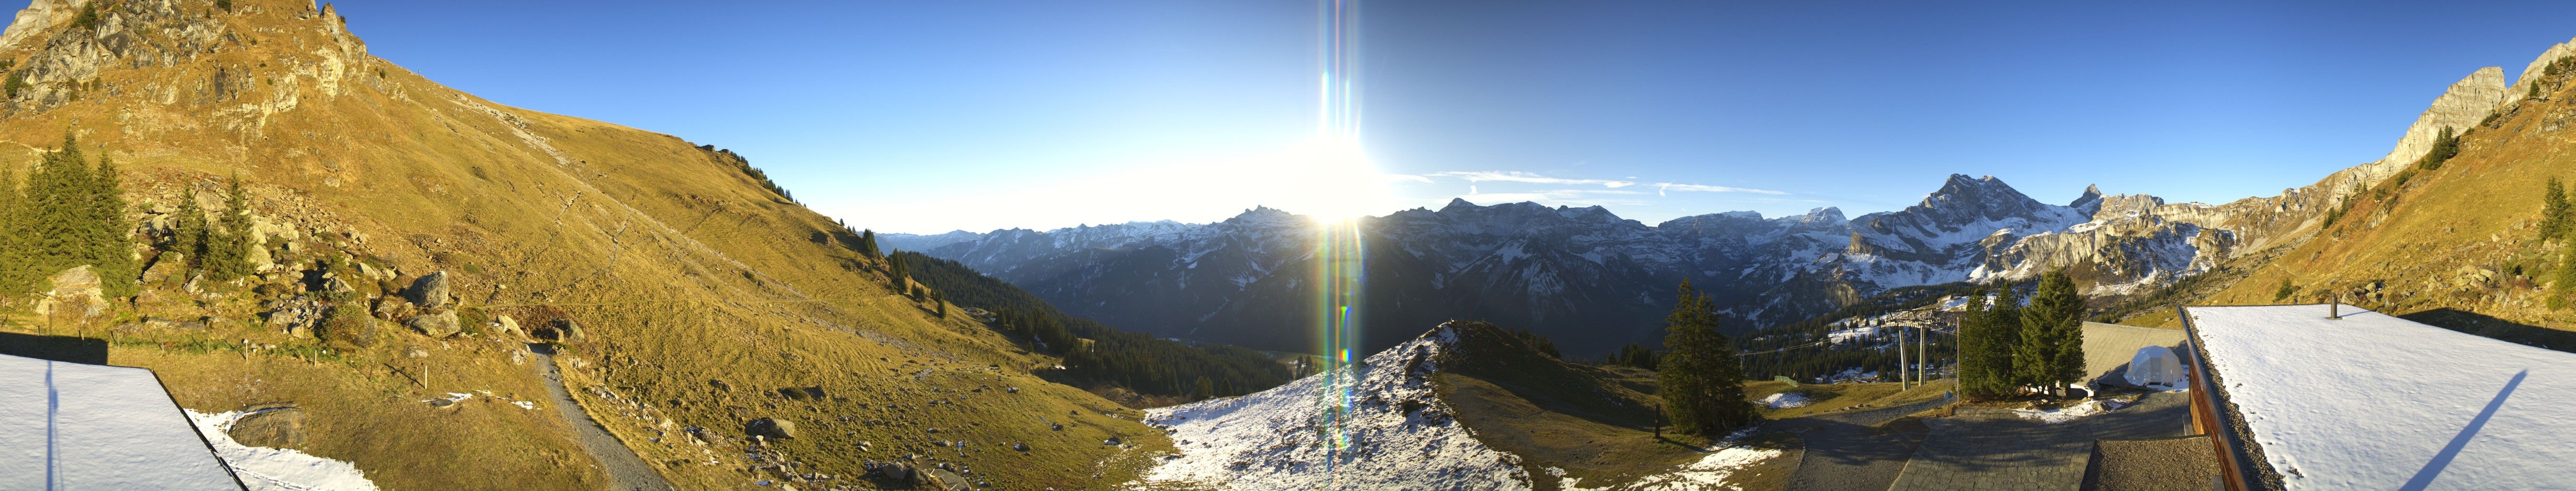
(390, 308)
(430, 291)
(896, 471)
(165, 267)
(259, 259)
(771, 428)
(940, 479)
(505, 327)
(75, 290)
(269, 425)
(571, 331)
(438, 325)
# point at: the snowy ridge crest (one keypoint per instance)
(1379, 424)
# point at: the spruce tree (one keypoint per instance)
(2055, 320)
(17, 276)
(2445, 145)
(188, 232)
(1703, 381)
(111, 238)
(2553, 211)
(2003, 338)
(228, 246)
(868, 244)
(2563, 280)
(1978, 357)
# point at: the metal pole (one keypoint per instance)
(1901, 366)
(1922, 354)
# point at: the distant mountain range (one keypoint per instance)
(1584, 275)
(1595, 281)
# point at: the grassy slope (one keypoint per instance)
(2428, 241)
(682, 269)
(1592, 422)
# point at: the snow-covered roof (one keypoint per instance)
(81, 426)
(2372, 401)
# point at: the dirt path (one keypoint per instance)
(1857, 450)
(626, 472)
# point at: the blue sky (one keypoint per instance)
(930, 116)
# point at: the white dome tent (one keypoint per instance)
(2155, 367)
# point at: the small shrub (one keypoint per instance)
(349, 323)
(2285, 291)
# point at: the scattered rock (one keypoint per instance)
(391, 308)
(430, 291)
(439, 325)
(771, 428)
(895, 471)
(940, 479)
(506, 327)
(269, 425)
(1020, 447)
(165, 267)
(75, 290)
(259, 259)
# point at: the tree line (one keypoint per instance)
(65, 214)
(1136, 361)
(2007, 347)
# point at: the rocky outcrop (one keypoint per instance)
(770, 428)
(2459, 107)
(430, 292)
(76, 292)
(438, 325)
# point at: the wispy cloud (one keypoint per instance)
(1662, 187)
(1518, 176)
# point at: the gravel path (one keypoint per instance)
(1856, 450)
(626, 472)
(2179, 464)
(1991, 448)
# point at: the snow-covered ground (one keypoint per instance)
(1709, 473)
(277, 469)
(2377, 402)
(1785, 400)
(1393, 433)
(81, 426)
(2064, 414)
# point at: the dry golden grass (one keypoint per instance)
(681, 269)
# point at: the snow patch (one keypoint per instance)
(2070, 412)
(1785, 400)
(276, 469)
(1377, 425)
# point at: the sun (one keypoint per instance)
(1330, 179)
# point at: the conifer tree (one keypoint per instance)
(228, 248)
(2553, 211)
(1979, 358)
(2003, 337)
(16, 275)
(2053, 327)
(1703, 381)
(2445, 145)
(868, 244)
(110, 244)
(188, 231)
(2562, 280)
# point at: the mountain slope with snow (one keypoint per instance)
(1423, 416)
(1586, 276)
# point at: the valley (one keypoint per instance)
(329, 259)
